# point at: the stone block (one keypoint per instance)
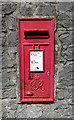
(13, 79)
(0, 89)
(64, 16)
(4, 114)
(64, 24)
(11, 114)
(6, 63)
(51, 114)
(65, 76)
(67, 69)
(64, 7)
(0, 18)
(5, 94)
(8, 9)
(2, 35)
(8, 107)
(12, 104)
(64, 11)
(33, 112)
(61, 104)
(65, 113)
(50, 110)
(9, 104)
(1, 42)
(12, 50)
(67, 42)
(11, 23)
(62, 94)
(9, 93)
(21, 113)
(27, 9)
(12, 39)
(5, 79)
(46, 10)
(8, 78)
(65, 37)
(12, 93)
(68, 54)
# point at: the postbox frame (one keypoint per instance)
(20, 48)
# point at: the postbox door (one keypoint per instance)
(37, 71)
(36, 59)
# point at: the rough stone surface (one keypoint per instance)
(46, 10)
(64, 57)
(8, 8)
(65, 7)
(27, 9)
(65, 75)
(69, 53)
(31, 111)
(64, 16)
(12, 39)
(66, 24)
(11, 23)
(66, 37)
(9, 93)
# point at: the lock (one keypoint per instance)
(30, 76)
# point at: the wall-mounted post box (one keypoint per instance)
(36, 59)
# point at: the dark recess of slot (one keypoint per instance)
(36, 34)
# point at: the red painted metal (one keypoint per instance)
(36, 85)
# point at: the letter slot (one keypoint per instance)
(36, 34)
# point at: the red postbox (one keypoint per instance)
(36, 59)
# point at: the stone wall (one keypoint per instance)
(64, 59)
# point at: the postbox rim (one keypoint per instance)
(45, 19)
(24, 45)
